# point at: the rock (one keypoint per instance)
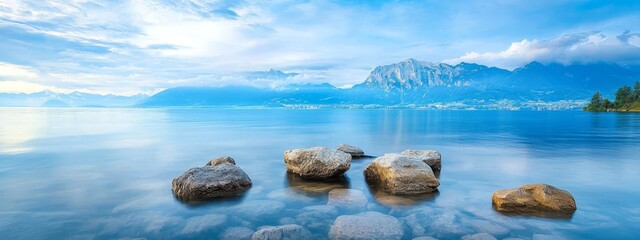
(546, 237)
(221, 160)
(536, 199)
(366, 225)
(425, 238)
(438, 222)
(351, 150)
(202, 223)
(259, 208)
(398, 174)
(317, 218)
(478, 236)
(208, 182)
(430, 157)
(488, 227)
(236, 233)
(290, 231)
(350, 198)
(317, 162)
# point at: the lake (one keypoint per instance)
(104, 173)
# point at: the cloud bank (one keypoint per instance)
(144, 46)
(566, 49)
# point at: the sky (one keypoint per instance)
(129, 47)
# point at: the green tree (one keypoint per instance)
(636, 91)
(606, 104)
(596, 103)
(624, 96)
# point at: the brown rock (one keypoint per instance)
(221, 160)
(399, 174)
(534, 198)
(317, 162)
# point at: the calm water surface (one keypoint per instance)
(106, 173)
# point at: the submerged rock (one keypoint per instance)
(236, 233)
(536, 199)
(317, 218)
(211, 181)
(366, 225)
(289, 231)
(437, 222)
(221, 160)
(399, 174)
(430, 157)
(350, 198)
(479, 236)
(351, 150)
(317, 162)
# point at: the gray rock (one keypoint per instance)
(259, 208)
(317, 162)
(430, 157)
(236, 233)
(546, 237)
(290, 231)
(478, 236)
(488, 227)
(350, 198)
(317, 218)
(208, 182)
(202, 223)
(351, 150)
(366, 225)
(401, 175)
(534, 199)
(221, 160)
(438, 223)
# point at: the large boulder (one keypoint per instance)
(430, 157)
(401, 175)
(211, 181)
(317, 162)
(366, 225)
(284, 232)
(534, 199)
(355, 152)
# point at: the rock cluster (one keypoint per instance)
(219, 178)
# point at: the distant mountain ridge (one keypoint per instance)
(406, 84)
(414, 83)
(73, 99)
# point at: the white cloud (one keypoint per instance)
(12, 71)
(566, 49)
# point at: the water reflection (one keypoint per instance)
(391, 200)
(534, 213)
(315, 186)
(195, 203)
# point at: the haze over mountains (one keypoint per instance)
(412, 83)
(407, 84)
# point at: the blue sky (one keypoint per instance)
(140, 46)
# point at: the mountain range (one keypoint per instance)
(73, 99)
(407, 84)
(412, 83)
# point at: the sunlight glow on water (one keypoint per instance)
(106, 173)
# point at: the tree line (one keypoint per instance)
(626, 99)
